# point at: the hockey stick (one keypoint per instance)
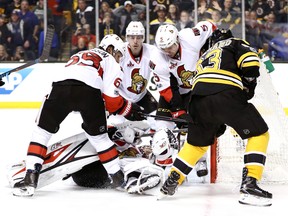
(43, 57)
(165, 118)
(183, 130)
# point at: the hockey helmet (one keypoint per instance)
(166, 36)
(221, 34)
(115, 41)
(135, 28)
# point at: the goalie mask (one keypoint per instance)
(164, 143)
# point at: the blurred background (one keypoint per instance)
(81, 24)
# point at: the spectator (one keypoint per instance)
(185, 21)
(81, 46)
(5, 35)
(4, 56)
(38, 10)
(229, 15)
(57, 7)
(108, 26)
(160, 20)
(16, 4)
(19, 54)
(85, 33)
(253, 28)
(202, 10)
(173, 13)
(85, 14)
(269, 29)
(281, 11)
(32, 24)
(262, 9)
(91, 45)
(127, 13)
(278, 47)
(21, 35)
(185, 5)
(104, 8)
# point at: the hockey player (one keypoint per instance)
(88, 78)
(173, 66)
(225, 81)
(136, 70)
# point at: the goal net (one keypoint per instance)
(228, 155)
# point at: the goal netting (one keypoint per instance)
(227, 155)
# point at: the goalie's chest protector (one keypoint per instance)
(136, 74)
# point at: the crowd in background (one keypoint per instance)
(21, 23)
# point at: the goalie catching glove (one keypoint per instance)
(132, 111)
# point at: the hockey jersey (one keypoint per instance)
(136, 73)
(98, 69)
(224, 65)
(183, 66)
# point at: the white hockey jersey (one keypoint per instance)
(191, 41)
(96, 68)
(136, 73)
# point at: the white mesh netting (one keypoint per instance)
(230, 147)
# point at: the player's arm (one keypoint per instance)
(249, 64)
(115, 103)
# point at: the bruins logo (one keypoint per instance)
(138, 83)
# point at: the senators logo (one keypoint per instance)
(185, 76)
(138, 83)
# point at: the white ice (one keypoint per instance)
(65, 198)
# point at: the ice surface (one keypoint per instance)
(65, 198)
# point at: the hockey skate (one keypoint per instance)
(201, 168)
(117, 180)
(170, 185)
(251, 194)
(26, 187)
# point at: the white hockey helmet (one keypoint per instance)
(135, 28)
(162, 143)
(115, 41)
(166, 36)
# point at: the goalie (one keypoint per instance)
(141, 161)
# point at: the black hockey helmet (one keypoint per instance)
(220, 34)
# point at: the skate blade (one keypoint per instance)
(24, 192)
(248, 199)
(161, 196)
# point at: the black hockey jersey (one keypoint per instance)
(224, 65)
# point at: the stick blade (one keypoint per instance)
(47, 43)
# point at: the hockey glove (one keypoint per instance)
(249, 84)
(132, 111)
(2, 82)
(181, 114)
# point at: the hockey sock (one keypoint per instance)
(187, 159)
(255, 155)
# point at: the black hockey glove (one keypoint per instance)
(132, 111)
(249, 84)
(1, 82)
